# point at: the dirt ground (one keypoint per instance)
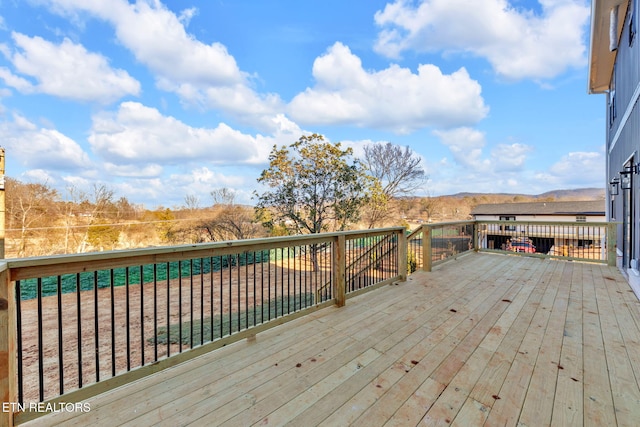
(198, 296)
(113, 330)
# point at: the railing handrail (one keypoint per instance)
(542, 223)
(603, 232)
(358, 259)
(414, 232)
(26, 268)
(440, 224)
(432, 225)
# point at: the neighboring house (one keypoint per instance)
(614, 57)
(547, 237)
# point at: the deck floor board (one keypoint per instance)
(482, 340)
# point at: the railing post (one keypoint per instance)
(612, 240)
(426, 247)
(7, 349)
(403, 253)
(476, 231)
(339, 267)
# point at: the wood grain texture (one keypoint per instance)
(482, 340)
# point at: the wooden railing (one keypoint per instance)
(74, 326)
(371, 258)
(431, 244)
(77, 325)
(579, 241)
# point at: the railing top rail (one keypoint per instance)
(60, 264)
(369, 232)
(543, 223)
(414, 232)
(440, 224)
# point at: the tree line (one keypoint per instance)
(39, 221)
(311, 186)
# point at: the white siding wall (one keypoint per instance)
(543, 218)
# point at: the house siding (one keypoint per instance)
(623, 139)
(538, 230)
(542, 218)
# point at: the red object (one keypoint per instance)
(526, 247)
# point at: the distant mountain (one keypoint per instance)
(574, 194)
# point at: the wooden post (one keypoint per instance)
(426, 247)
(2, 204)
(612, 240)
(476, 232)
(339, 267)
(402, 255)
(8, 384)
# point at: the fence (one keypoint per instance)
(580, 241)
(73, 326)
(85, 323)
(432, 244)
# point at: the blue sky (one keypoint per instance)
(163, 99)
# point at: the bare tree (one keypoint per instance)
(397, 168)
(396, 173)
(229, 221)
(101, 198)
(223, 196)
(70, 211)
(29, 205)
(430, 205)
(191, 202)
(98, 205)
(126, 210)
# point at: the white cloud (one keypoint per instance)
(136, 134)
(66, 70)
(158, 39)
(394, 98)
(202, 180)
(169, 190)
(518, 43)
(583, 168)
(479, 166)
(39, 175)
(509, 157)
(41, 148)
(186, 15)
(16, 82)
(479, 174)
(205, 75)
(133, 171)
(466, 145)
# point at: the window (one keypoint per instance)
(581, 218)
(632, 21)
(507, 227)
(612, 113)
(613, 210)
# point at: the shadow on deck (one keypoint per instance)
(492, 339)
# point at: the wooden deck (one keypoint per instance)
(483, 340)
